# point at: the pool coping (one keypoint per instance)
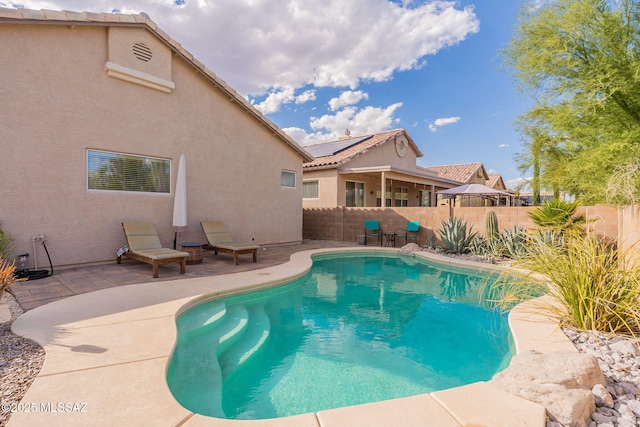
(106, 355)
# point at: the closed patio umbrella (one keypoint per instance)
(180, 201)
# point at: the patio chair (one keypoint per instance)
(409, 233)
(372, 229)
(219, 240)
(144, 245)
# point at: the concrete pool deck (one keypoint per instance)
(107, 353)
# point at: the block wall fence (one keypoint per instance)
(345, 224)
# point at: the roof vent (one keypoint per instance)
(142, 52)
(347, 134)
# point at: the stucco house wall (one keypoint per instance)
(369, 159)
(58, 100)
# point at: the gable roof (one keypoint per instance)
(496, 181)
(333, 154)
(30, 16)
(461, 172)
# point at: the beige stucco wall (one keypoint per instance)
(327, 188)
(57, 102)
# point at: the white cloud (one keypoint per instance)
(360, 122)
(522, 184)
(437, 123)
(348, 97)
(503, 145)
(306, 96)
(259, 46)
(273, 102)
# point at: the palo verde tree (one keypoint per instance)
(580, 59)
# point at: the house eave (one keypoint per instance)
(52, 17)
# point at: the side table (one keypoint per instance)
(194, 249)
(390, 239)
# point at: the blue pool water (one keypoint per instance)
(358, 328)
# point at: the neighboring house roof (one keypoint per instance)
(29, 16)
(496, 181)
(333, 154)
(462, 172)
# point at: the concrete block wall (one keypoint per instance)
(346, 224)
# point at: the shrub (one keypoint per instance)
(454, 236)
(6, 245)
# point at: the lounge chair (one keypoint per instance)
(219, 240)
(144, 245)
(372, 229)
(409, 233)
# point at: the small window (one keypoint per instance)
(310, 190)
(402, 196)
(288, 179)
(126, 172)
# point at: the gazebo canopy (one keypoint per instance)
(473, 190)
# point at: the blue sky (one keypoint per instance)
(318, 67)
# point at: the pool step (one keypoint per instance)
(254, 336)
(201, 318)
(195, 373)
(235, 321)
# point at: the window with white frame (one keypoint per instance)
(310, 189)
(402, 196)
(355, 194)
(288, 179)
(127, 172)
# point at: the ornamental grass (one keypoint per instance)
(7, 274)
(592, 284)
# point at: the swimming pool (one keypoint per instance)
(357, 328)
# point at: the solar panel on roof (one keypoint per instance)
(334, 147)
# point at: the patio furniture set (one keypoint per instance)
(372, 228)
(144, 245)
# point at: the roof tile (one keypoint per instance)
(6, 12)
(76, 16)
(460, 172)
(32, 14)
(54, 15)
(355, 150)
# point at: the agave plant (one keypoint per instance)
(514, 242)
(455, 237)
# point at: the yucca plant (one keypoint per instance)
(455, 237)
(589, 284)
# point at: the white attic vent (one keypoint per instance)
(142, 52)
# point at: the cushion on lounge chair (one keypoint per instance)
(219, 240)
(144, 245)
